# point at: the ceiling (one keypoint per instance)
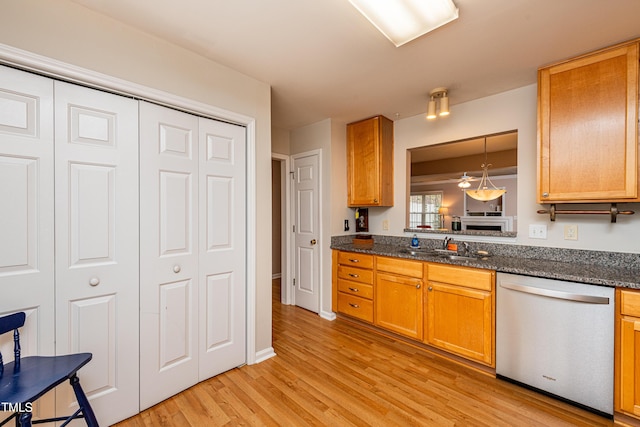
(323, 59)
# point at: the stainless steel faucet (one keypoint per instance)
(445, 244)
(465, 248)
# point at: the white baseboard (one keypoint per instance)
(328, 315)
(265, 354)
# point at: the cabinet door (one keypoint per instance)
(399, 304)
(460, 320)
(169, 253)
(588, 127)
(96, 208)
(630, 364)
(370, 162)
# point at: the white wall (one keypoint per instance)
(512, 110)
(70, 33)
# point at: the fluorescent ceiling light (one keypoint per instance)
(404, 20)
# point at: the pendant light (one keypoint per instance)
(484, 193)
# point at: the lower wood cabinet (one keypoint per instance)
(445, 306)
(460, 311)
(398, 296)
(628, 352)
(353, 284)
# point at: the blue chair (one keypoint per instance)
(25, 380)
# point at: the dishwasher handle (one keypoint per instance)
(590, 299)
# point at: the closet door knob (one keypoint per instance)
(176, 268)
(95, 281)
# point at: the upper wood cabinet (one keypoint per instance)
(370, 162)
(588, 128)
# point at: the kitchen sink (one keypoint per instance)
(459, 257)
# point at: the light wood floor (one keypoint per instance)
(337, 374)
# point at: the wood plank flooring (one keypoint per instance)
(337, 374)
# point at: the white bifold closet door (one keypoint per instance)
(97, 234)
(26, 214)
(193, 250)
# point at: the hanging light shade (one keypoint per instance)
(484, 193)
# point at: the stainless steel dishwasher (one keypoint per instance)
(557, 337)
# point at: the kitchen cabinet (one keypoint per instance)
(461, 311)
(627, 396)
(354, 285)
(588, 128)
(370, 162)
(398, 296)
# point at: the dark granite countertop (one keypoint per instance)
(605, 271)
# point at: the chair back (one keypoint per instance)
(7, 324)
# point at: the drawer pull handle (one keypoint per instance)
(354, 289)
(354, 275)
(354, 260)
(354, 305)
(95, 281)
(430, 288)
(418, 286)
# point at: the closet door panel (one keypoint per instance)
(169, 252)
(222, 247)
(96, 207)
(26, 213)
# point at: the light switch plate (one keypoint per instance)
(537, 231)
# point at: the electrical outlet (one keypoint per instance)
(570, 232)
(385, 224)
(537, 231)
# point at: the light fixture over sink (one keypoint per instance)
(404, 20)
(440, 93)
(483, 192)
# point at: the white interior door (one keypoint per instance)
(307, 231)
(96, 207)
(26, 213)
(169, 252)
(222, 254)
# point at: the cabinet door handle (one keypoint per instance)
(430, 288)
(418, 286)
(545, 194)
(354, 260)
(354, 289)
(375, 200)
(354, 275)
(95, 281)
(177, 268)
(354, 305)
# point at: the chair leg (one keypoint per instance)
(24, 419)
(87, 411)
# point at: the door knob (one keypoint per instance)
(313, 241)
(95, 281)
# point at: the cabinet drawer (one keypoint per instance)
(403, 267)
(355, 306)
(630, 303)
(357, 289)
(462, 276)
(355, 274)
(355, 259)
